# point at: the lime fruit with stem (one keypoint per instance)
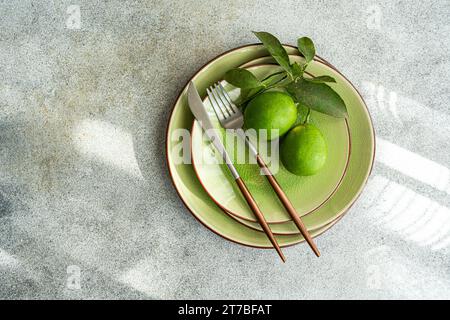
(303, 151)
(271, 110)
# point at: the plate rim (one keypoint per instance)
(170, 117)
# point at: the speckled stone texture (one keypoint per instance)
(71, 201)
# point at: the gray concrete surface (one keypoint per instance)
(106, 209)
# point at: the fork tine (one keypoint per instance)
(220, 103)
(214, 104)
(227, 97)
(225, 102)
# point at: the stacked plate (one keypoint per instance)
(208, 191)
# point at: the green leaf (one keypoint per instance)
(242, 78)
(297, 70)
(321, 79)
(319, 97)
(273, 78)
(246, 95)
(243, 95)
(275, 49)
(302, 113)
(306, 48)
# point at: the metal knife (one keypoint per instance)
(198, 109)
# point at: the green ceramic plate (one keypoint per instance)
(204, 209)
(286, 228)
(306, 193)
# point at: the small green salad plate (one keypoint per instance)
(307, 193)
(207, 189)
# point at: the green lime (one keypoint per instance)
(304, 150)
(271, 110)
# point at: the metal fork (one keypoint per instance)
(230, 117)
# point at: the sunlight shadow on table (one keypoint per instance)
(410, 189)
(413, 165)
(413, 216)
(108, 144)
(6, 260)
